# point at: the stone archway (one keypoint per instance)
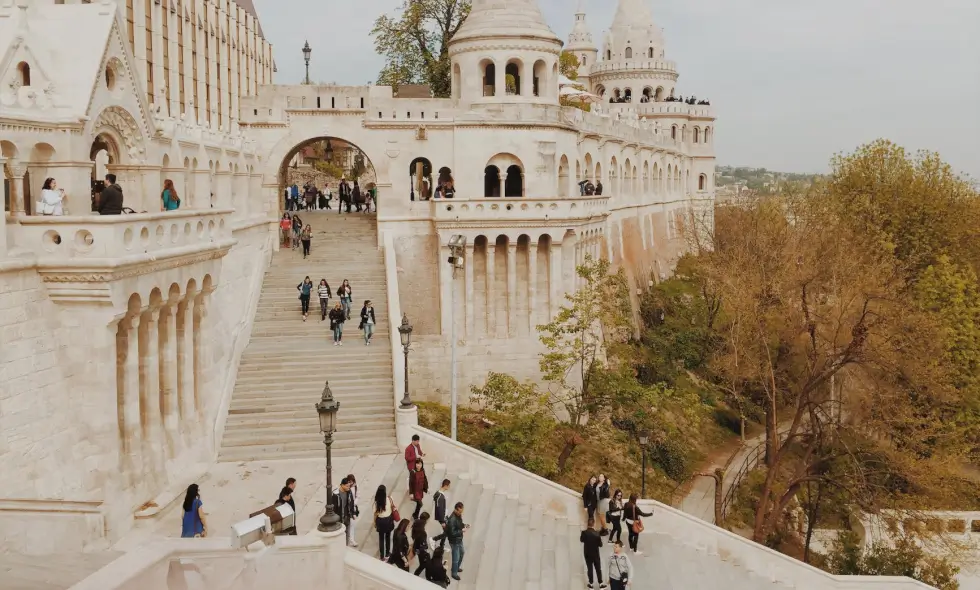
(324, 161)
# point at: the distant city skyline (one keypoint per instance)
(792, 84)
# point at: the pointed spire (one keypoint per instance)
(633, 13)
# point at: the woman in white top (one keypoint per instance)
(52, 198)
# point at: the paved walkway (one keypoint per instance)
(700, 500)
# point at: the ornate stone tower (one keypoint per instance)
(505, 52)
(581, 44)
(633, 63)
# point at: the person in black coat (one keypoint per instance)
(420, 542)
(435, 571)
(399, 546)
(590, 497)
(591, 542)
(632, 514)
(111, 200)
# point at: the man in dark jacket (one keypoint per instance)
(439, 499)
(343, 506)
(111, 201)
(591, 542)
(598, 187)
(454, 534)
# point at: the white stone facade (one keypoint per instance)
(122, 334)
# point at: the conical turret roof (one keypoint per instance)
(505, 18)
(633, 13)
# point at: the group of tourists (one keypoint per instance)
(603, 501)
(107, 197)
(341, 312)
(311, 198)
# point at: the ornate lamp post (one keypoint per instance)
(405, 332)
(306, 56)
(644, 436)
(327, 411)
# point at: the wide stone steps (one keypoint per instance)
(287, 360)
(513, 545)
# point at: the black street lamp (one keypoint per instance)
(405, 331)
(327, 411)
(644, 439)
(306, 56)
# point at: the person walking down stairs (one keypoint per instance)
(367, 322)
(420, 543)
(337, 319)
(399, 546)
(418, 487)
(591, 542)
(454, 534)
(305, 289)
(346, 295)
(436, 572)
(286, 229)
(634, 525)
(297, 230)
(305, 237)
(620, 568)
(323, 293)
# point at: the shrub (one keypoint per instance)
(904, 558)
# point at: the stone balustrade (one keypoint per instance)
(505, 210)
(633, 65)
(963, 526)
(94, 237)
(662, 108)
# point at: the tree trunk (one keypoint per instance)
(812, 514)
(566, 452)
(772, 435)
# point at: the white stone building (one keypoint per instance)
(122, 335)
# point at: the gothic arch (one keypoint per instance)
(121, 125)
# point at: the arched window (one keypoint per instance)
(513, 78)
(514, 183)
(24, 69)
(702, 183)
(673, 132)
(420, 171)
(489, 78)
(491, 181)
(628, 95)
(609, 54)
(658, 96)
(650, 53)
(697, 135)
(707, 132)
(540, 77)
(629, 52)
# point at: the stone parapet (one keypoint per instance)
(503, 211)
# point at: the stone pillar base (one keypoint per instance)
(336, 548)
(406, 419)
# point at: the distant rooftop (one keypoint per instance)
(249, 7)
(413, 91)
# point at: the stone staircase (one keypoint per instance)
(510, 545)
(287, 360)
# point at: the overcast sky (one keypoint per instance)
(792, 81)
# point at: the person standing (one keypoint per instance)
(305, 289)
(367, 321)
(620, 568)
(52, 198)
(454, 534)
(590, 498)
(400, 546)
(323, 293)
(615, 515)
(346, 295)
(384, 521)
(634, 526)
(602, 491)
(418, 487)
(286, 229)
(420, 542)
(111, 201)
(413, 452)
(305, 237)
(337, 318)
(598, 187)
(169, 200)
(294, 196)
(352, 481)
(357, 196)
(440, 499)
(194, 524)
(291, 484)
(297, 230)
(343, 506)
(591, 542)
(321, 200)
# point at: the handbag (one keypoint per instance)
(637, 526)
(394, 511)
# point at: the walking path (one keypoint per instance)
(700, 500)
(287, 360)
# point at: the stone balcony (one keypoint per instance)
(509, 212)
(80, 258)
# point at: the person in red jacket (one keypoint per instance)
(418, 487)
(413, 452)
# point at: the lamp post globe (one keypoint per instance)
(326, 410)
(307, 50)
(405, 334)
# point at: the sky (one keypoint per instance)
(792, 81)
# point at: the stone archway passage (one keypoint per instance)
(324, 162)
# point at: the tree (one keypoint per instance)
(904, 558)
(568, 65)
(591, 327)
(415, 45)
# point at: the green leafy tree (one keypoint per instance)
(568, 65)
(415, 44)
(592, 326)
(904, 558)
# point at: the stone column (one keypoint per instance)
(512, 288)
(202, 362)
(17, 198)
(185, 360)
(150, 395)
(523, 186)
(532, 285)
(555, 283)
(131, 397)
(500, 83)
(170, 379)
(468, 278)
(502, 178)
(491, 294)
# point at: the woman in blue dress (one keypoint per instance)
(194, 524)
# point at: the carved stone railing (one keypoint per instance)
(504, 210)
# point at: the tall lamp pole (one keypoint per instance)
(405, 333)
(457, 248)
(306, 56)
(644, 439)
(327, 411)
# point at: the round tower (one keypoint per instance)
(505, 52)
(633, 64)
(580, 44)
